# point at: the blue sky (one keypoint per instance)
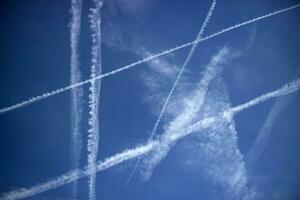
(255, 155)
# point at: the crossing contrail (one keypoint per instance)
(128, 154)
(187, 60)
(129, 66)
(76, 93)
(95, 87)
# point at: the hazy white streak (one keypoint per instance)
(187, 60)
(76, 93)
(138, 151)
(264, 133)
(93, 136)
(69, 87)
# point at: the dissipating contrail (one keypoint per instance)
(129, 66)
(186, 62)
(128, 154)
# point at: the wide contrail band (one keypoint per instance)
(76, 93)
(73, 175)
(69, 87)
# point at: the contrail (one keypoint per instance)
(96, 69)
(285, 90)
(265, 131)
(187, 60)
(129, 66)
(128, 154)
(77, 173)
(76, 93)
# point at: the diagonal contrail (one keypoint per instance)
(186, 62)
(76, 93)
(129, 66)
(128, 154)
(96, 70)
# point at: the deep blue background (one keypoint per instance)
(35, 58)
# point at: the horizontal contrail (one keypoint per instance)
(69, 87)
(143, 149)
(187, 60)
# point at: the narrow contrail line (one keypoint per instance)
(76, 93)
(95, 87)
(187, 60)
(128, 154)
(129, 66)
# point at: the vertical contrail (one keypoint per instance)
(140, 150)
(76, 93)
(264, 133)
(129, 66)
(187, 60)
(96, 70)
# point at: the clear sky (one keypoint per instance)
(255, 155)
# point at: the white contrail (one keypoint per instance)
(77, 173)
(69, 87)
(140, 150)
(187, 60)
(76, 93)
(285, 90)
(96, 69)
(265, 131)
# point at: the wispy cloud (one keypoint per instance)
(192, 105)
(76, 93)
(129, 66)
(182, 69)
